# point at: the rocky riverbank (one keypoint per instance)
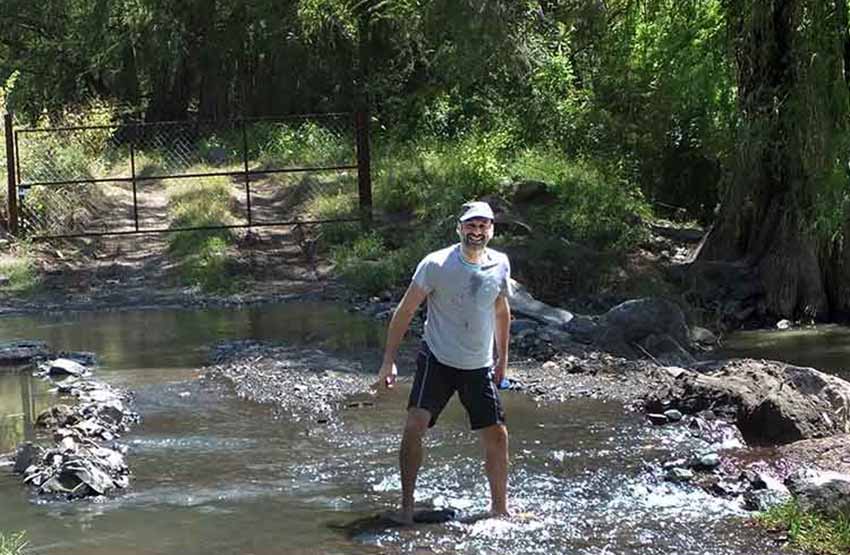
(76, 454)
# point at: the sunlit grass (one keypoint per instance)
(810, 532)
(18, 273)
(12, 543)
(203, 253)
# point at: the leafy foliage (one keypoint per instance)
(808, 531)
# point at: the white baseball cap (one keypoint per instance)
(476, 209)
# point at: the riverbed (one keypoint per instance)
(213, 473)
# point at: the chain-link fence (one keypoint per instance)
(95, 180)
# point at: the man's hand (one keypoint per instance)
(499, 372)
(387, 376)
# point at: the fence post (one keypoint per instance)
(364, 167)
(12, 196)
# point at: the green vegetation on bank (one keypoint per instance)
(12, 544)
(202, 254)
(810, 532)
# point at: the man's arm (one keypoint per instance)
(503, 331)
(399, 323)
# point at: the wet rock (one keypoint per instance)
(55, 417)
(784, 325)
(677, 474)
(673, 415)
(764, 499)
(521, 325)
(27, 455)
(771, 402)
(707, 461)
(16, 353)
(657, 419)
(524, 304)
(703, 337)
(81, 357)
(63, 367)
(827, 493)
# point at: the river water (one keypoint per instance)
(212, 473)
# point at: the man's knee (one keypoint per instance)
(417, 422)
(495, 436)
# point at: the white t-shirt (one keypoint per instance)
(460, 325)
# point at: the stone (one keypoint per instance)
(524, 304)
(770, 402)
(703, 336)
(27, 455)
(678, 474)
(520, 325)
(827, 493)
(673, 415)
(783, 325)
(657, 419)
(765, 499)
(64, 366)
(707, 461)
(15, 353)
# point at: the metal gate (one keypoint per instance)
(131, 159)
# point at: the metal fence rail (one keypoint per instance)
(50, 169)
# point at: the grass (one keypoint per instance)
(812, 533)
(204, 254)
(12, 544)
(19, 270)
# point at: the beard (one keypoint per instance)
(474, 241)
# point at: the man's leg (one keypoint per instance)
(495, 441)
(410, 458)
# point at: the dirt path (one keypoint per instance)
(128, 270)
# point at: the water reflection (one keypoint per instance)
(22, 398)
(825, 347)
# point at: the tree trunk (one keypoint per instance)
(782, 211)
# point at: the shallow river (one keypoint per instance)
(213, 474)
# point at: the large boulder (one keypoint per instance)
(524, 304)
(827, 493)
(771, 402)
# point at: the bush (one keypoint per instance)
(303, 144)
(371, 267)
(594, 205)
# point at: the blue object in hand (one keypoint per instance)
(504, 384)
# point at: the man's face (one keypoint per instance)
(475, 233)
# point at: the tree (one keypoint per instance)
(787, 198)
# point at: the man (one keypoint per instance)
(467, 287)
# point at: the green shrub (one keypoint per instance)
(810, 532)
(340, 204)
(209, 266)
(304, 144)
(594, 205)
(371, 267)
(12, 544)
(21, 273)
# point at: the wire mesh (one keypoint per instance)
(297, 168)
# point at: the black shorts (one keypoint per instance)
(435, 383)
